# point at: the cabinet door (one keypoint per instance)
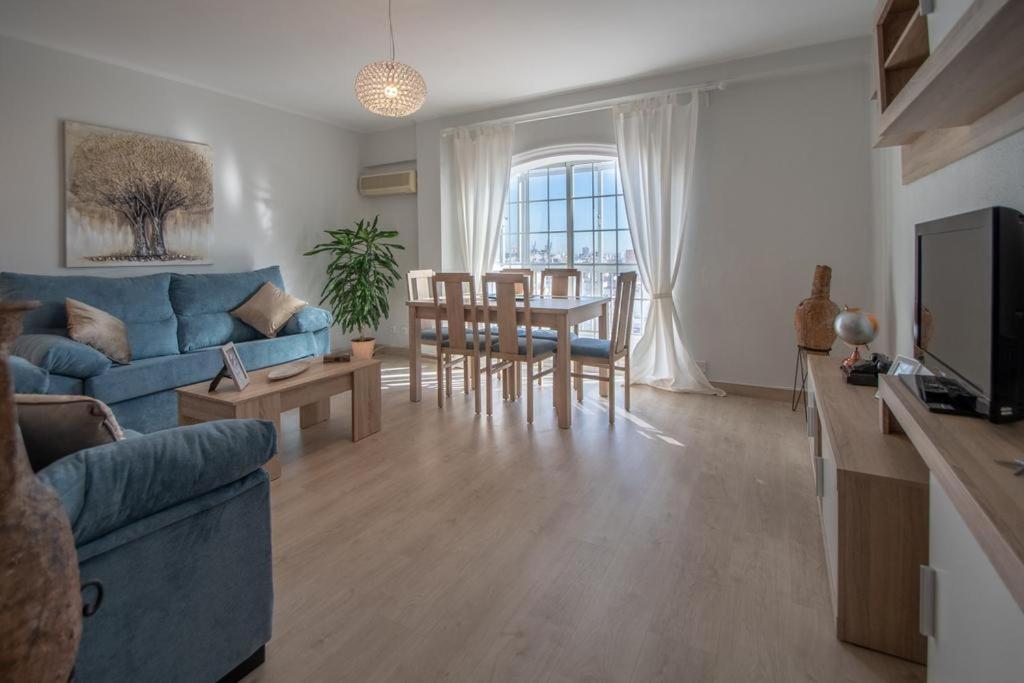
(978, 627)
(829, 512)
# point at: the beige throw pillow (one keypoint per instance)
(268, 309)
(54, 426)
(98, 329)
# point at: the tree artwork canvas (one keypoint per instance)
(135, 199)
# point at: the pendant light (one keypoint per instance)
(389, 87)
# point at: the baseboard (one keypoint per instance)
(755, 391)
(251, 663)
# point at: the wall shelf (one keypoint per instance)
(977, 69)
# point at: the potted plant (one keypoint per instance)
(360, 275)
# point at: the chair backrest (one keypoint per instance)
(528, 272)
(559, 279)
(420, 284)
(622, 325)
(453, 291)
(504, 287)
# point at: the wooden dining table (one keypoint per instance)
(557, 313)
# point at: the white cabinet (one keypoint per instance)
(978, 627)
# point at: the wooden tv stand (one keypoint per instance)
(873, 497)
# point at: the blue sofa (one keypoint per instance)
(176, 324)
(176, 527)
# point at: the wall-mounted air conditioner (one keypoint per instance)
(395, 182)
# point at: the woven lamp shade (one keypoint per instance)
(390, 88)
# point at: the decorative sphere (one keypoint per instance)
(855, 327)
(390, 88)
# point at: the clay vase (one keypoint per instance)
(41, 613)
(814, 315)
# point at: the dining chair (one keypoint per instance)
(510, 349)
(420, 284)
(451, 290)
(528, 272)
(604, 353)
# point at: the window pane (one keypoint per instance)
(607, 178)
(539, 249)
(583, 247)
(513, 218)
(557, 218)
(606, 281)
(556, 183)
(583, 214)
(609, 253)
(511, 257)
(607, 215)
(538, 216)
(558, 248)
(623, 221)
(583, 180)
(626, 253)
(538, 184)
(513, 189)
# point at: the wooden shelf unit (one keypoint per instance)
(873, 500)
(963, 96)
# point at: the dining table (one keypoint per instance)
(557, 313)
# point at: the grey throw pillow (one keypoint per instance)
(53, 426)
(98, 329)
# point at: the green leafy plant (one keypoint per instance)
(360, 275)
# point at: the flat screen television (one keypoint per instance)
(970, 306)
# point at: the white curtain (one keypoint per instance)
(480, 161)
(656, 140)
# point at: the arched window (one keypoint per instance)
(567, 211)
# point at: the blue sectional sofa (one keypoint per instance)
(176, 527)
(176, 324)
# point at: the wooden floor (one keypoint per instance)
(682, 544)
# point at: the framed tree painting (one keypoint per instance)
(134, 200)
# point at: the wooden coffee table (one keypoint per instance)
(310, 392)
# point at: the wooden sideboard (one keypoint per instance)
(873, 497)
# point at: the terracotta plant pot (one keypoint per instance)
(363, 348)
(41, 618)
(814, 315)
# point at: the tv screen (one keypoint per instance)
(955, 302)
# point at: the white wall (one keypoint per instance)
(280, 179)
(783, 184)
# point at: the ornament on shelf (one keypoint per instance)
(814, 315)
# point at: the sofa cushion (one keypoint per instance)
(268, 309)
(308, 319)
(62, 384)
(55, 426)
(107, 487)
(98, 329)
(143, 303)
(60, 355)
(28, 378)
(152, 375)
(202, 304)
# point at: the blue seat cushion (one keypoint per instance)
(28, 378)
(308, 319)
(481, 341)
(544, 333)
(152, 375)
(60, 355)
(142, 303)
(107, 487)
(590, 348)
(431, 334)
(540, 346)
(202, 304)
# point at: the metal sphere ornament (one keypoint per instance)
(856, 328)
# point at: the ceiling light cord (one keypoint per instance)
(391, 31)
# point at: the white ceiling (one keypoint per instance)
(303, 55)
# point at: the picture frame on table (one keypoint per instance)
(904, 365)
(233, 368)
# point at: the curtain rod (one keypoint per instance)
(599, 105)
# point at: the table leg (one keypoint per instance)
(265, 408)
(562, 382)
(366, 403)
(414, 356)
(602, 332)
(314, 413)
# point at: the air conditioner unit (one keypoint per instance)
(396, 182)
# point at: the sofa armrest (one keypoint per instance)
(308, 319)
(107, 487)
(60, 355)
(28, 378)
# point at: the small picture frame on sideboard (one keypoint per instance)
(904, 365)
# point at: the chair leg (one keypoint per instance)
(475, 363)
(465, 375)
(440, 380)
(540, 380)
(448, 378)
(611, 393)
(487, 382)
(578, 381)
(529, 393)
(519, 379)
(625, 376)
